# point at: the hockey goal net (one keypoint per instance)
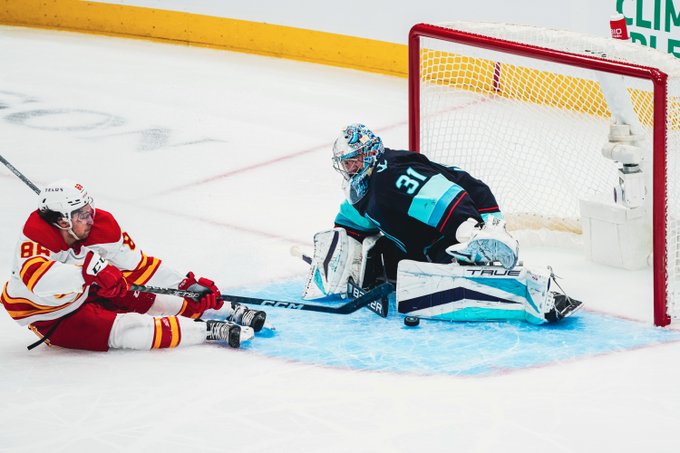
(528, 111)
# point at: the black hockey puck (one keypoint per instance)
(411, 321)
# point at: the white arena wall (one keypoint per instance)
(370, 35)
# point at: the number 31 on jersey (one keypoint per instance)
(410, 181)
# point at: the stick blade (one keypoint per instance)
(379, 306)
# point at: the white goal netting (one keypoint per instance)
(528, 110)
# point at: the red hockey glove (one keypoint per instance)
(209, 296)
(110, 280)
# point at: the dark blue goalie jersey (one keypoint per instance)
(416, 203)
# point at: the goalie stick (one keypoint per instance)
(379, 307)
(355, 304)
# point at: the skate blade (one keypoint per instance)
(247, 333)
(565, 307)
(574, 307)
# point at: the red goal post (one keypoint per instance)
(482, 95)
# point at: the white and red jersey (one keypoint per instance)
(47, 281)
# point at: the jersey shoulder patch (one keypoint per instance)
(41, 232)
(105, 229)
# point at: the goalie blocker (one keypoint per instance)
(480, 293)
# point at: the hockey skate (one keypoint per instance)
(245, 316)
(229, 332)
(564, 306)
(488, 244)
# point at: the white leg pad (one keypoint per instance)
(337, 257)
(473, 293)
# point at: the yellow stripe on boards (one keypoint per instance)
(195, 29)
(532, 86)
(311, 46)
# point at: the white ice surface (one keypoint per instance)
(219, 162)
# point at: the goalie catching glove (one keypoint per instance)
(209, 296)
(485, 243)
(337, 258)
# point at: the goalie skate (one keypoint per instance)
(564, 306)
(489, 244)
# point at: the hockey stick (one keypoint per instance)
(296, 251)
(20, 175)
(350, 307)
(379, 307)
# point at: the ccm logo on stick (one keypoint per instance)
(291, 305)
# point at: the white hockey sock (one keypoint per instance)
(165, 305)
(223, 313)
(144, 332)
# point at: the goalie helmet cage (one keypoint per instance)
(526, 110)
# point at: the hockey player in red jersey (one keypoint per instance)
(70, 285)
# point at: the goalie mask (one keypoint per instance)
(61, 199)
(355, 152)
